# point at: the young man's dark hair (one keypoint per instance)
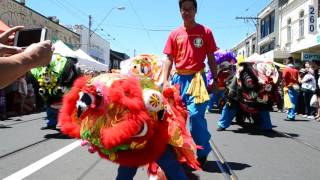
(193, 1)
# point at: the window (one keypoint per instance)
(267, 25)
(301, 24)
(267, 47)
(272, 18)
(247, 49)
(289, 31)
(253, 49)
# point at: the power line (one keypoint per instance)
(247, 9)
(64, 8)
(141, 23)
(75, 8)
(136, 28)
(253, 19)
(121, 26)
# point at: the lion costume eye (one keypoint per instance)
(42, 91)
(152, 100)
(85, 100)
(145, 70)
(143, 131)
(58, 90)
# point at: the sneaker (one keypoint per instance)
(310, 117)
(304, 116)
(221, 129)
(202, 161)
(289, 119)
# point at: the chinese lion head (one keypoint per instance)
(145, 65)
(225, 61)
(126, 119)
(254, 86)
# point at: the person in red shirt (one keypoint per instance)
(290, 79)
(187, 48)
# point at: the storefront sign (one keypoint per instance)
(310, 57)
(312, 19)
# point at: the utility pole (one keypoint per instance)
(89, 35)
(255, 21)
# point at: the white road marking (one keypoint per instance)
(43, 162)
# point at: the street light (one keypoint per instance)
(107, 15)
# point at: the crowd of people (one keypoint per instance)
(301, 90)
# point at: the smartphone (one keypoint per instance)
(26, 37)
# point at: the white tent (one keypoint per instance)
(257, 57)
(64, 50)
(87, 62)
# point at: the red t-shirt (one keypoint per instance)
(190, 47)
(290, 76)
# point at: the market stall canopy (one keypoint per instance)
(257, 57)
(87, 62)
(63, 49)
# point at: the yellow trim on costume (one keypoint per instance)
(187, 71)
(197, 87)
(136, 145)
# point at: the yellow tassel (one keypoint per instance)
(113, 156)
(197, 89)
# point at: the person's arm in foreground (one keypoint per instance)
(167, 70)
(14, 66)
(213, 68)
(212, 64)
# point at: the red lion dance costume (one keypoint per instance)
(126, 118)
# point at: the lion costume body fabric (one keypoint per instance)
(126, 118)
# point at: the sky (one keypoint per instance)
(144, 25)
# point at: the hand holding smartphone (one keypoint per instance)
(26, 37)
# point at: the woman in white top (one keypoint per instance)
(308, 86)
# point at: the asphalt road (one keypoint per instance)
(291, 152)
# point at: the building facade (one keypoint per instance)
(99, 48)
(299, 30)
(246, 47)
(116, 58)
(269, 32)
(14, 13)
(288, 28)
